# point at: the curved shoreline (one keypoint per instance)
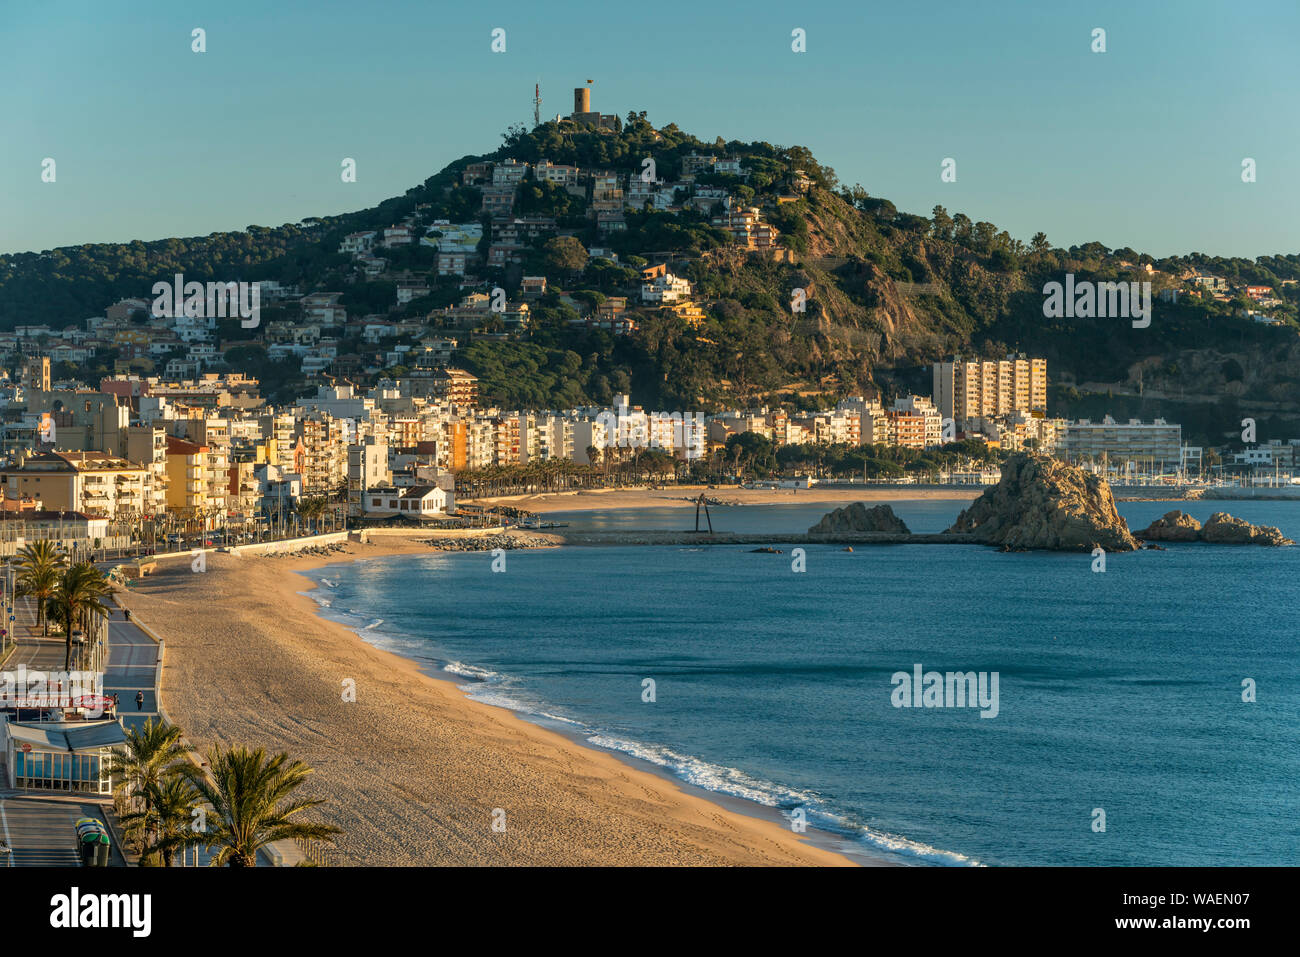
(414, 768)
(837, 842)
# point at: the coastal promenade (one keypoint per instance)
(133, 661)
(37, 826)
(136, 664)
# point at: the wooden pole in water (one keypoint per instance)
(698, 502)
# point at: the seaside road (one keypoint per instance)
(38, 654)
(132, 665)
(39, 829)
(132, 662)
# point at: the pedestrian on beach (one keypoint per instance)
(139, 701)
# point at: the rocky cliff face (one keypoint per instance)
(858, 518)
(1043, 503)
(1173, 526)
(1221, 529)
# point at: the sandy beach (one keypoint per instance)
(413, 769)
(684, 496)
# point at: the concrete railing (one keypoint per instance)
(379, 534)
(285, 545)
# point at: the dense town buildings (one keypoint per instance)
(175, 432)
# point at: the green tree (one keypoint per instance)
(165, 823)
(151, 754)
(78, 597)
(941, 224)
(565, 254)
(253, 803)
(39, 568)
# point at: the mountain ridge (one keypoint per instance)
(889, 292)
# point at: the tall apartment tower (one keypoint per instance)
(978, 388)
(367, 469)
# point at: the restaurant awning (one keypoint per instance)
(88, 736)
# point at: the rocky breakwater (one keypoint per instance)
(1221, 529)
(858, 518)
(487, 543)
(1042, 503)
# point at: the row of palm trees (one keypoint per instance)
(610, 466)
(71, 594)
(312, 508)
(234, 804)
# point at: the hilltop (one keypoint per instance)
(888, 291)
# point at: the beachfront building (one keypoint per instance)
(590, 438)
(62, 756)
(1157, 441)
(90, 482)
(320, 455)
(76, 533)
(367, 469)
(198, 481)
(1017, 431)
(417, 501)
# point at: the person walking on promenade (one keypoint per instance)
(139, 701)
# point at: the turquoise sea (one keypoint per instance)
(1118, 692)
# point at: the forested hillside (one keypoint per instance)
(889, 292)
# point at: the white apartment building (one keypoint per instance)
(665, 288)
(1157, 440)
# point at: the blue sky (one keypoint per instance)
(1139, 146)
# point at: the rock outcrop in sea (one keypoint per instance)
(1044, 503)
(858, 518)
(1173, 526)
(1221, 529)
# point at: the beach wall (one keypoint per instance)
(379, 535)
(1262, 492)
(287, 545)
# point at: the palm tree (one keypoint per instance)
(311, 509)
(251, 797)
(76, 599)
(150, 754)
(164, 824)
(39, 565)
